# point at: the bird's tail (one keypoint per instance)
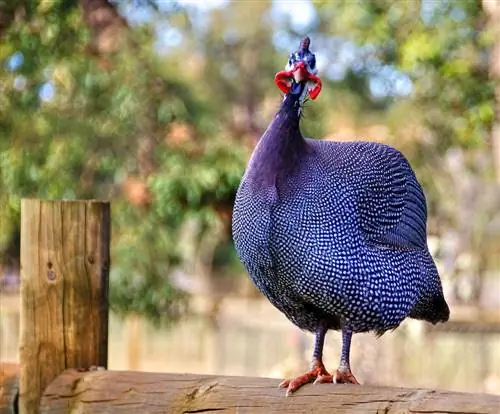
(433, 309)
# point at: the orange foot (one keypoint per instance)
(317, 373)
(344, 376)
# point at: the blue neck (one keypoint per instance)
(278, 151)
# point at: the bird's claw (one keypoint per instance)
(345, 377)
(318, 374)
(294, 384)
(284, 384)
(324, 379)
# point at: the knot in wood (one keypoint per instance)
(51, 275)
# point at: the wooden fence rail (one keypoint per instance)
(129, 392)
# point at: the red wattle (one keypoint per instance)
(282, 80)
(314, 91)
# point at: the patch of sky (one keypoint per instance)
(300, 13)
(136, 14)
(284, 41)
(47, 91)
(388, 81)
(167, 37)
(203, 5)
(14, 62)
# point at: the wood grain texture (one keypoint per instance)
(64, 291)
(123, 392)
(9, 387)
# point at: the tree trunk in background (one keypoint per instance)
(109, 30)
(6, 17)
(110, 33)
(9, 11)
(492, 9)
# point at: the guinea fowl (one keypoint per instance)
(333, 233)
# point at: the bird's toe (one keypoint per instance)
(294, 384)
(345, 377)
(324, 379)
(284, 383)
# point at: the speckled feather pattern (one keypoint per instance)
(335, 232)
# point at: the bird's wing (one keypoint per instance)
(391, 204)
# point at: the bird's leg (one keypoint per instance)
(344, 374)
(317, 373)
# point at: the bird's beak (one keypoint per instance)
(300, 73)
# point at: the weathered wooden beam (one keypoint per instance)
(140, 392)
(64, 292)
(9, 387)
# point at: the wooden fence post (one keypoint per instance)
(64, 292)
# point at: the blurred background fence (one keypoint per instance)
(156, 106)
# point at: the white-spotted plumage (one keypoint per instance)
(335, 232)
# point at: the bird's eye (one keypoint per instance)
(312, 62)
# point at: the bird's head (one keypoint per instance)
(299, 77)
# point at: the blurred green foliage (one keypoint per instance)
(164, 131)
(444, 52)
(84, 142)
